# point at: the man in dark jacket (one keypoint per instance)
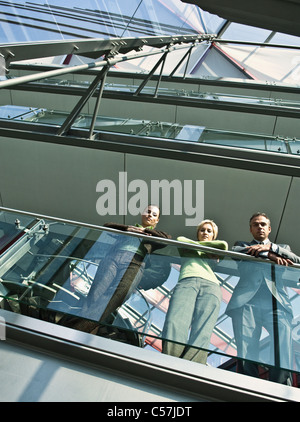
(260, 300)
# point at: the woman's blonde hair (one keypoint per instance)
(213, 225)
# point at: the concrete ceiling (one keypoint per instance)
(276, 15)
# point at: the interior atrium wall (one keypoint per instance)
(61, 181)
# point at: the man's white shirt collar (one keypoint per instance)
(264, 242)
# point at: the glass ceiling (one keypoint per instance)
(238, 51)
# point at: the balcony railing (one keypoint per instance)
(119, 285)
(154, 129)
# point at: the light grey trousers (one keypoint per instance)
(191, 317)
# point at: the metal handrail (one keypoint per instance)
(171, 242)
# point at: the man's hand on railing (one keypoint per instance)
(279, 260)
(255, 250)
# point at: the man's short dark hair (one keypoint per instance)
(257, 214)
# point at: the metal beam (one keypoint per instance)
(273, 86)
(97, 105)
(92, 48)
(256, 44)
(83, 100)
(187, 55)
(72, 69)
(150, 74)
(184, 100)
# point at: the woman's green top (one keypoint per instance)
(196, 263)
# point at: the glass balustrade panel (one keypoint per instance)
(177, 298)
(154, 129)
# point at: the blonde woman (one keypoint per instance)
(195, 304)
